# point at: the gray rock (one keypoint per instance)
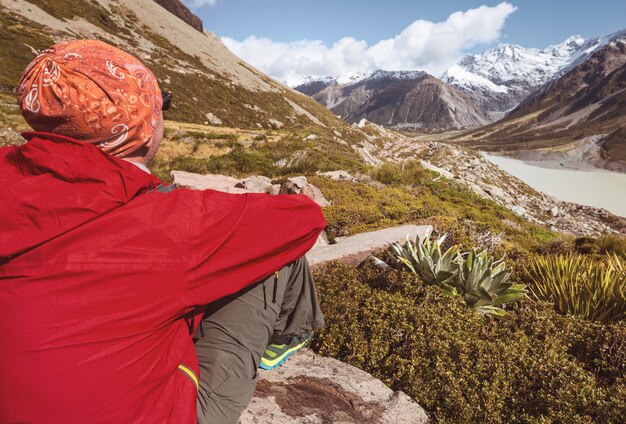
(213, 119)
(337, 175)
(378, 263)
(322, 240)
(495, 192)
(275, 189)
(310, 137)
(436, 169)
(554, 211)
(315, 194)
(294, 185)
(203, 182)
(256, 184)
(300, 185)
(519, 210)
(276, 123)
(312, 389)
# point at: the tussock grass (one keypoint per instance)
(594, 289)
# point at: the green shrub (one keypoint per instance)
(469, 220)
(612, 243)
(586, 245)
(594, 289)
(388, 174)
(410, 172)
(531, 366)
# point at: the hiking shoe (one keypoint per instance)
(276, 354)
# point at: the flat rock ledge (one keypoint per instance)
(312, 389)
(357, 248)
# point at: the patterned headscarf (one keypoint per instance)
(94, 92)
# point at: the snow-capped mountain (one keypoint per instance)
(513, 65)
(401, 99)
(353, 78)
(501, 77)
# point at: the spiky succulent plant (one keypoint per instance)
(425, 258)
(482, 281)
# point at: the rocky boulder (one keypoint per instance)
(312, 389)
(300, 185)
(337, 175)
(203, 182)
(355, 249)
(257, 184)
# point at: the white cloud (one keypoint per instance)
(194, 4)
(423, 45)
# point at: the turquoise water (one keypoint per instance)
(602, 189)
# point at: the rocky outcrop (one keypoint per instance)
(203, 182)
(312, 389)
(337, 175)
(300, 185)
(255, 184)
(177, 8)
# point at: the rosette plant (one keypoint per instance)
(483, 282)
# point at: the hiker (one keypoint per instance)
(106, 272)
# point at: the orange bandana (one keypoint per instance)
(94, 92)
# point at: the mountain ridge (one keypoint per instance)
(400, 99)
(178, 8)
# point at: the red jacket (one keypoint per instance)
(100, 274)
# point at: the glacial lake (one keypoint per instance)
(602, 189)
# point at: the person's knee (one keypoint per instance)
(225, 389)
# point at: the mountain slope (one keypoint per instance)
(410, 99)
(583, 112)
(204, 76)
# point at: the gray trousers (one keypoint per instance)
(237, 329)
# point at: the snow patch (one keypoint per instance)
(459, 76)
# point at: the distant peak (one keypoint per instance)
(380, 74)
(356, 77)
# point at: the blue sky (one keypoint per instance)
(289, 39)
(535, 23)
